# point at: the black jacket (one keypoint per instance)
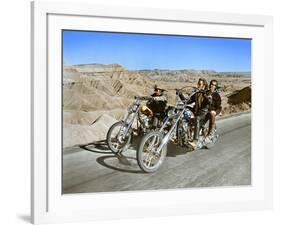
(158, 103)
(201, 100)
(215, 102)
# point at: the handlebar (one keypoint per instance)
(143, 97)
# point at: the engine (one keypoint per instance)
(145, 121)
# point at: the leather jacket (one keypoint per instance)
(201, 100)
(215, 104)
(158, 103)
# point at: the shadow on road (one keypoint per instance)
(97, 147)
(125, 163)
(128, 163)
(122, 163)
(173, 150)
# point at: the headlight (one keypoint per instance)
(132, 108)
(180, 105)
(171, 112)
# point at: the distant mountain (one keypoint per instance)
(186, 75)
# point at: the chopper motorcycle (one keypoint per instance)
(178, 127)
(120, 134)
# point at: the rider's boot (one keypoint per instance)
(211, 132)
(194, 143)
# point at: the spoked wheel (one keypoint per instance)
(149, 157)
(117, 140)
(212, 142)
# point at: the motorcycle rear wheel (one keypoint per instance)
(211, 144)
(149, 160)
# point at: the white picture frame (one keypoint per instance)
(49, 205)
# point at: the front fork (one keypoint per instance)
(128, 123)
(169, 134)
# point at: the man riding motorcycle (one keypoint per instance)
(200, 109)
(155, 107)
(158, 95)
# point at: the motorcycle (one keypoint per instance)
(119, 135)
(178, 127)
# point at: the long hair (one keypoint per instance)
(199, 97)
(205, 83)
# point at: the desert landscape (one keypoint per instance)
(97, 95)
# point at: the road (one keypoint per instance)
(94, 168)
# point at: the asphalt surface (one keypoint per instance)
(93, 168)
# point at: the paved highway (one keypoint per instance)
(94, 168)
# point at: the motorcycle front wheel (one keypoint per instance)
(148, 156)
(116, 138)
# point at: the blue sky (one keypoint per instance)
(145, 51)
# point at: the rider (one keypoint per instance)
(201, 107)
(158, 94)
(157, 104)
(215, 107)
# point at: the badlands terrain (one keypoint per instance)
(95, 95)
